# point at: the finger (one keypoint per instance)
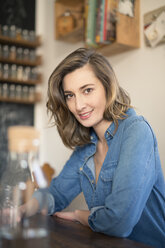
(66, 215)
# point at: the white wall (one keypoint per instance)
(141, 72)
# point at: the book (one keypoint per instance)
(91, 22)
(105, 21)
(111, 21)
(102, 10)
(98, 21)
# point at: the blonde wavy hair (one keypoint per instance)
(118, 101)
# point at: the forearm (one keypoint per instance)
(77, 215)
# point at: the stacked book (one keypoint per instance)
(100, 16)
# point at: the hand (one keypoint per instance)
(78, 215)
(29, 208)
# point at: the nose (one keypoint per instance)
(79, 103)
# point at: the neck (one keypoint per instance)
(100, 130)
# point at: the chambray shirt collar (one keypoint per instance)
(110, 132)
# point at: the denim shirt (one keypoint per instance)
(129, 197)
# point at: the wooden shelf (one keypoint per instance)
(36, 99)
(127, 34)
(14, 80)
(114, 49)
(127, 28)
(21, 42)
(36, 62)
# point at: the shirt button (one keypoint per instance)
(91, 137)
(81, 169)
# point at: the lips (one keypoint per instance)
(85, 115)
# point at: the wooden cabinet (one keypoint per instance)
(72, 9)
(127, 28)
(25, 82)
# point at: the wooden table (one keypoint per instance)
(67, 234)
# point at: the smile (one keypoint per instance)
(86, 115)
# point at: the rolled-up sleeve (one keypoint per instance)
(132, 183)
(45, 200)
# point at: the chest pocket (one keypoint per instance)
(106, 176)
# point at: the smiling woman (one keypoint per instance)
(92, 78)
(115, 162)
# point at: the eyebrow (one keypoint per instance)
(81, 88)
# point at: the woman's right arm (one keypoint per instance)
(62, 190)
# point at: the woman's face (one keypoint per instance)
(85, 96)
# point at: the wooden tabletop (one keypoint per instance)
(67, 234)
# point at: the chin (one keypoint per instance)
(85, 124)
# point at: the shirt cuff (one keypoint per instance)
(45, 200)
(92, 216)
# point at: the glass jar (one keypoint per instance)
(26, 73)
(16, 185)
(32, 55)
(32, 35)
(20, 72)
(26, 54)
(18, 91)
(31, 93)
(12, 31)
(13, 71)
(18, 33)
(1, 70)
(25, 34)
(5, 30)
(12, 91)
(0, 89)
(19, 53)
(5, 51)
(0, 50)
(25, 92)
(6, 71)
(13, 52)
(5, 90)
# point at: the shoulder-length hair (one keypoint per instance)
(71, 131)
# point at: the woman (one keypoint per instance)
(115, 161)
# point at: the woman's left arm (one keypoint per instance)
(77, 215)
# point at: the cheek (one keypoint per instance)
(101, 105)
(70, 106)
